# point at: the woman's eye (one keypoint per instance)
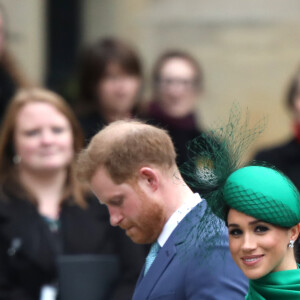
(32, 132)
(235, 232)
(261, 228)
(58, 129)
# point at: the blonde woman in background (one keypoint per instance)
(44, 211)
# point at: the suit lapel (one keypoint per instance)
(166, 254)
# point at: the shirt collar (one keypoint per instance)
(177, 217)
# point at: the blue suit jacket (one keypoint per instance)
(174, 277)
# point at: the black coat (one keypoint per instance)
(28, 251)
(286, 158)
(181, 130)
(91, 124)
(7, 89)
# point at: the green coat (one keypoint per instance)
(282, 285)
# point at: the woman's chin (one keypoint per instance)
(253, 275)
(46, 168)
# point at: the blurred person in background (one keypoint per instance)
(286, 156)
(44, 210)
(177, 84)
(10, 77)
(110, 82)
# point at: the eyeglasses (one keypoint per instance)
(187, 84)
(118, 78)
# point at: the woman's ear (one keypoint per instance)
(294, 232)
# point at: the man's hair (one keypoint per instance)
(123, 147)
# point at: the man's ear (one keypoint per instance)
(149, 178)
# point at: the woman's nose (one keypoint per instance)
(47, 137)
(249, 243)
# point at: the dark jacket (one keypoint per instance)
(7, 90)
(91, 124)
(28, 249)
(182, 130)
(286, 158)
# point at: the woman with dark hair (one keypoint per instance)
(177, 80)
(44, 211)
(286, 156)
(260, 206)
(263, 224)
(110, 82)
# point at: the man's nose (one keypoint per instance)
(115, 217)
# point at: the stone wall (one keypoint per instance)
(249, 49)
(26, 39)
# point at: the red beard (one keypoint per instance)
(146, 228)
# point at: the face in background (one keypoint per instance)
(296, 103)
(118, 91)
(257, 247)
(177, 87)
(130, 207)
(43, 138)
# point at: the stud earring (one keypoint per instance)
(291, 244)
(16, 159)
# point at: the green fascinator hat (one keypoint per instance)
(263, 193)
(215, 169)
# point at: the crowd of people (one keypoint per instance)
(73, 179)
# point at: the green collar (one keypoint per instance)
(283, 285)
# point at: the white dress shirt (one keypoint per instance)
(177, 217)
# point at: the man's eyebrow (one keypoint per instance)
(115, 199)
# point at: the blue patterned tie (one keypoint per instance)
(151, 256)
